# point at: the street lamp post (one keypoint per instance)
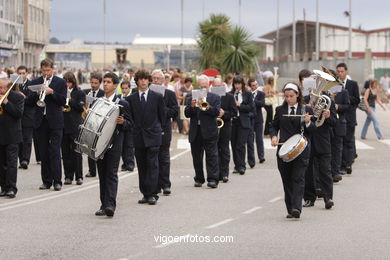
(182, 36)
(317, 31)
(350, 29)
(294, 38)
(277, 32)
(104, 34)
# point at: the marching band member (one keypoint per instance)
(203, 135)
(128, 144)
(147, 110)
(241, 123)
(227, 111)
(349, 149)
(164, 158)
(108, 166)
(73, 161)
(50, 122)
(256, 132)
(94, 91)
(27, 121)
(292, 173)
(11, 135)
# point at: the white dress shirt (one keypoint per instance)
(146, 94)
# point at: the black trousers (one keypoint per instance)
(268, 119)
(50, 151)
(250, 145)
(337, 153)
(293, 178)
(209, 146)
(319, 176)
(147, 163)
(36, 146)
(164, 161)
(8, 167)
(349, 149)
(128, 150)
(73, 161)
(223, 150)
(92, 166)
(255, 134)
(238, 140)
(108, 178)
(26, 146)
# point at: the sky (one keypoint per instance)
(83, 19)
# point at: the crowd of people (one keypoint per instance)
(229, 115)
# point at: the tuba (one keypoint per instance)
(319, 102)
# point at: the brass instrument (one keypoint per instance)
(67, 107)
(220, 122)
(86, 107)
(42, 95)
(203, 104)
(6, 95)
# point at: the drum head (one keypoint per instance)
(107, 130)
(289, 145)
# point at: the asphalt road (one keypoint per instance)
(248, 209)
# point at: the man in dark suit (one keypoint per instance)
(226, 113)
(27, 120)
(349, 148)
(11, 135)
(94, 91)
(73, 161)
(257, 124)
(339, 132)
(50, 123)
(164, 158)
(147, 111)
(109, 164)
(318, 175)
(128, 144)
(203, 135)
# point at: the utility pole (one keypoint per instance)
(182, 35)
(350, 29)
(294, 38)
(104, 34)
(317, 31)
(277, 32)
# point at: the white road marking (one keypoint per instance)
(386, 141)
(68, 191)
(183, 144)
(249, 211)
(275, 199)
(362, 146)
(223, 222)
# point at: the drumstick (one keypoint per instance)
(296, 115)
(280, 143)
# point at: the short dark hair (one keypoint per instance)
(125, 82)
(142, 74)
(304, 74)
(21, 67)
(47, 63)
(238, 79)
(97, 76)
(188, 79)
(250, 81)
(69, 77)
(342, 65)
(113, 77)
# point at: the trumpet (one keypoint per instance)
(220, 122)
(42, 95)
(67, 107)
(6, 95)
(203, 104)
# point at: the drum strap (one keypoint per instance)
(303, 110)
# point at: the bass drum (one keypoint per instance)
(292, 148)
(96, 132)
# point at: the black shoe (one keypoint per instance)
(38, 162)
(44, 187)
(100, 212)
(296, 213)
(212, 184)
(342, 172)
(143, 201)
(356, 155)
(57, 187)
(131, 169)
(289, 216)
(197, 184)
(79, 181)
(319, 193)
(337, 178)
(167, 191)
(23, 165)
(308, 203)
(262, 160)
(235, 171)
(329, 204)
(152, 201)
(251, 165)
(67, 181)
(348, 169)
(89, 174)
(2, 193)
(225, 179)
(242, 172)
(109, 212)
(11, 194)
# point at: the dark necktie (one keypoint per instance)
(143, 100)
(93, 93)
(292, 112)
(236, 96)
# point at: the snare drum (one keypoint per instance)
(97, 131)
(292, 148)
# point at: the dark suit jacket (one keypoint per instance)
(342, 100)
(117, 138)
(11, 119)
(29, 106)
(171, 111)
(246, 107)
(354, 98)
(72, 119)
(148, 122)
(54, 103)
(259, 104)
(207, 119)
(229, 107)
(100, 92)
